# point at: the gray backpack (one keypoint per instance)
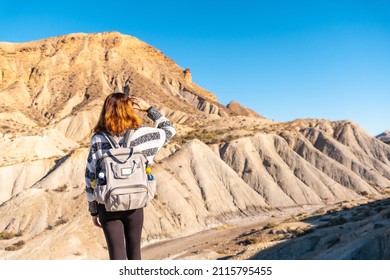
(122, 182)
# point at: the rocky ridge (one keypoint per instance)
(225, 163)
(384, 137)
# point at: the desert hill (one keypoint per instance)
(385, 137)
(226, 163)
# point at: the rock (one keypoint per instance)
(238, 109)
(384, 137)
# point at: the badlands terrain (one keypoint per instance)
(232, 184)
(384, 137)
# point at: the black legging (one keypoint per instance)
(123, 231)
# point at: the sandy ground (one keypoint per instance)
(243, 238)
(229, 241)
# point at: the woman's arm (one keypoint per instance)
(90, 175)
(159, 120)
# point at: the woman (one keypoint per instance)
(123, 229)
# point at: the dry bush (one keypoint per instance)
(334, 221)
(60, 221)
(303, 231)
(224, 252)
(270, 225)
(5, 235)
(16, 246)
(333, 241)
(61, 188)
(250, 241)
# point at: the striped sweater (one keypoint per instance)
(148, 140)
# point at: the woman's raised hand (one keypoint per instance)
(139, 103)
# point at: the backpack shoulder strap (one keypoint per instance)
(110, 139)
(127, 141)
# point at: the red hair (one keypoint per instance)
(117, 115)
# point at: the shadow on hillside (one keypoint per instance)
(57, 163)
(344, 232)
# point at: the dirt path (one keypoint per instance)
(217, 243)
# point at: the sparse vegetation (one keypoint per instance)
(4, 127)
(334, 221)
(208, 137)
(224, 252)
(250, 241)
(61, 188)
(223, 227)
(291, 220)
(361, 213)
(60, 221)
(291, 232)
(333, 241)
(386, 215)
(270, 225)
(6, 235)
(337, 220)
(16, 246)
(212, 137)
(302, 231)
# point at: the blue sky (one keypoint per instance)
(283, 59)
